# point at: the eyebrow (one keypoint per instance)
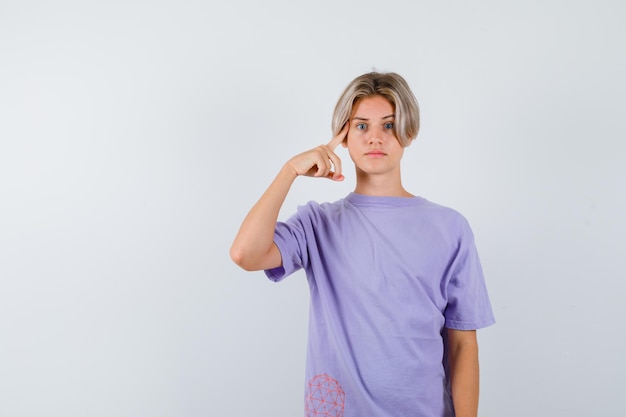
(363, 118)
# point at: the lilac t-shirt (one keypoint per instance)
(386, 275)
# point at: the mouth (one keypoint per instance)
(375, 154)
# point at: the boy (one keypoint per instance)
(397, 290)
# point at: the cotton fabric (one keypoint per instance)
(387, 275)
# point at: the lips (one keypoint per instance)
(375, 153)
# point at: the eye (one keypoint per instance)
(361, 126)
(389, 125)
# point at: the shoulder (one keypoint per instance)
(441, 210)
(447, 217)
(314, 210)
(325, 207)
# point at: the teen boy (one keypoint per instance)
(397, 290)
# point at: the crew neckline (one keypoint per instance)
(370, 200)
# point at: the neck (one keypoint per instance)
(380, 185)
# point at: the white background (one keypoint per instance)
(135, 135)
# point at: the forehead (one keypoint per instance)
(372, 107)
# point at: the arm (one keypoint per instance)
(254, 248)
(463, 365)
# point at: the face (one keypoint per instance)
(371, 140)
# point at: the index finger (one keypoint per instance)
(340, 137)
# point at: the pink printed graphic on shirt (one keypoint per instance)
(324, 397)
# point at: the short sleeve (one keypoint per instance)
(290, 238)
(468, 305)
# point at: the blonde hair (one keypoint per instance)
(392, 87)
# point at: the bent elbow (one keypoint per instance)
(238, 257)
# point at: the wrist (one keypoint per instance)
(288, 172)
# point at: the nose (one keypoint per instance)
(376, 136)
